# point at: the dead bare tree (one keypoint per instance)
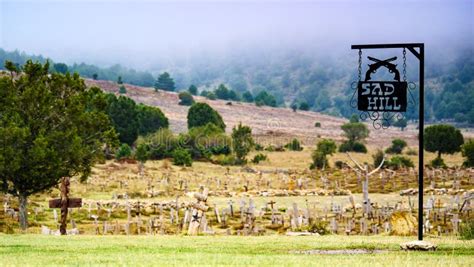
(364, 170)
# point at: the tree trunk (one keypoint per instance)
(23, 212)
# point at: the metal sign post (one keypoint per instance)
(396, 90)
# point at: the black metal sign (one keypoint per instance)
(384, 96)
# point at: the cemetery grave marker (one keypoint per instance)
(64, 203)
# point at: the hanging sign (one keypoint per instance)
(382, 96)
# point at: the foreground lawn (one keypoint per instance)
(38, 250)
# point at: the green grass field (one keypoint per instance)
(38, 250)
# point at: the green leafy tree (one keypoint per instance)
(265, 99)
(60, 68)
(119, 80)
(233, 96)
(397, 147)
(185, 99)
(51, 126)
(324, 148)
(247, 97)
(193, 89)
(443, 139)
(402, 124)
(200, 114)
(304, 106)
(355, 131)
(123, 113)
(468, 153)
(222, 92)
(165, 82)
(242, 142)
(150, 119)
(95, 76)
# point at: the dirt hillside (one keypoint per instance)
(269, 125)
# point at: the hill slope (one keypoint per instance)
(269, 125)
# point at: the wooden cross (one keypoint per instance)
(64, 203)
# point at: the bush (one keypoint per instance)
(339, 164)
(294, 145)
(468, 153)
(437, 163)
(320, 227)
(326, 146)
(185, 99)
(200, 114)
(160, 144)
(397, 146)
(259, 147)
(398, 162)
(205, 141)
(259, 157)
(317, 125)
(225, 160)
(411, 152)
(352, 146)
(319, 160)
(124, 152)
(122, 90)
(467, 230)
(182, 157)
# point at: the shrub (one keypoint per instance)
(294, 145)
(317, 125)
(398, 162)
(319, 160)
(397, 146)
(339, 164)
(437, 163)
(182, 157)
(225, 160)
(200, 114)
(124, 152)
(320, 227)
(242, 141)
(259, 157)
(160, 144)
(270, 148)
(205, 141)
(468, 153)
(411, 152)
(122, 90)
(467, 230)
(354, 147)
(185, 99)
(259, 147)
(326, 146)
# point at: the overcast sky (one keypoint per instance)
(137, 32)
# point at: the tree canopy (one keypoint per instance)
(51, 127)
(200, 114)
(444, 139)
(165, 82)
(242, 141)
